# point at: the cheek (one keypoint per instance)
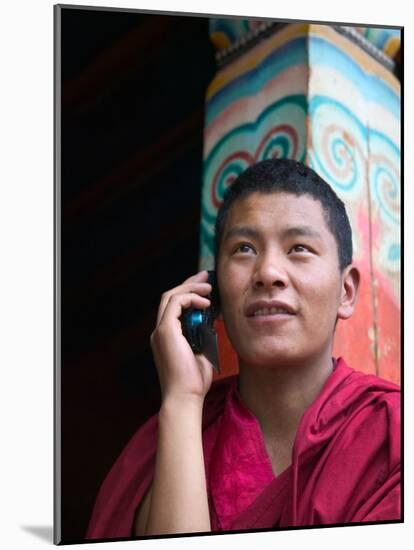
(233, 279)
(323, 300)
(232, 292)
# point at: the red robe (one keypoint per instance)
(345, 462)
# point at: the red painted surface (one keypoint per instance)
(389, 331)
(228, 359)
(386, 284)
(354, 337)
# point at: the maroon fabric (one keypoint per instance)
(238, 467)
(345, 462)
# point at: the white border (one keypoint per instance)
(26, 300)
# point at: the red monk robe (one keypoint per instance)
(345, 462)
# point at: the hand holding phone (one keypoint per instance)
(198, 326)
(182, 373)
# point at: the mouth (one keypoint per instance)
(263, 308)
(266, 311)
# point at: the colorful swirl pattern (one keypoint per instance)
(339, 151)
(270, 136)
(324, 100)
(385, 184)
(347, 154)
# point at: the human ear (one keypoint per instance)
(350, 279)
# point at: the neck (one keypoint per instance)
(278, 396)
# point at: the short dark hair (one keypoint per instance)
(290, 176)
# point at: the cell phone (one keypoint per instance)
(198, 326)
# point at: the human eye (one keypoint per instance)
(244, 248)
(300, 248)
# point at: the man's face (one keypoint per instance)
(279, 279)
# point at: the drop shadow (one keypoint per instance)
(44, 532)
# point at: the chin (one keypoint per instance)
(268, 358)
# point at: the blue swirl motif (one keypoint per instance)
(339, 138)
(386, 189)
(342, 153)
(230, 172)
(344, 150)
(279, 147)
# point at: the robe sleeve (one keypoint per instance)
(385, 503)
(125, 486)
(129, 478)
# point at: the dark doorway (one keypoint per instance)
(132, 115)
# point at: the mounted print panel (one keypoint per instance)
(177, 416)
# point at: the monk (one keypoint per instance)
(297, 438)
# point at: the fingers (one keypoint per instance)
(201, 276)
(196, 284)
(178, 302)
(180, 371)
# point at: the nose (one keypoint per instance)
(270, 272)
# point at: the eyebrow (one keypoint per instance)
(241, 231)
(293, 231)
(301, 231)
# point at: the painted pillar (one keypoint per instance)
(311, 93)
